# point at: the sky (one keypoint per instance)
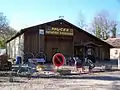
(25, 13)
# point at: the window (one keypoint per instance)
(116, 51)
(89, 51)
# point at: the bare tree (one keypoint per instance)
(102, 25)
(113, 31)
(5, 30)
(81, 22)
(3, 22)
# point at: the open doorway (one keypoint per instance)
(79, 51)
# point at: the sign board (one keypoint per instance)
(32, 61)
(41, 32)
(40, 60)
(59, 31)
(58, 59)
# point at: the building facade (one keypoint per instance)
(114, 52)
(57, 35)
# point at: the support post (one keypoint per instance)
(119, 61)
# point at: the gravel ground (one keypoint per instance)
(96, 81)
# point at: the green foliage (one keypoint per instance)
(98, 32)
(2, 45)
(4, 36)
(114, 29)
(59, 70)
(6, 31)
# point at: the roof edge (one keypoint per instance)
(23, 30)
(89, 33)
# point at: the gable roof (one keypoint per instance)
(59, 20)
(114, 42)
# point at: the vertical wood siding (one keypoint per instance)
(31, 41)
(15, 47)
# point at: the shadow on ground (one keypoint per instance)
(14, 81)
(107, 78)
(18, 82)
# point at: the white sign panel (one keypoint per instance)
(41, 31)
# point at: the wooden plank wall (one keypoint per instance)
(31, 41)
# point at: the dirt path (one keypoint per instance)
(97, 81)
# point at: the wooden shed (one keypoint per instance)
(57, 35)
